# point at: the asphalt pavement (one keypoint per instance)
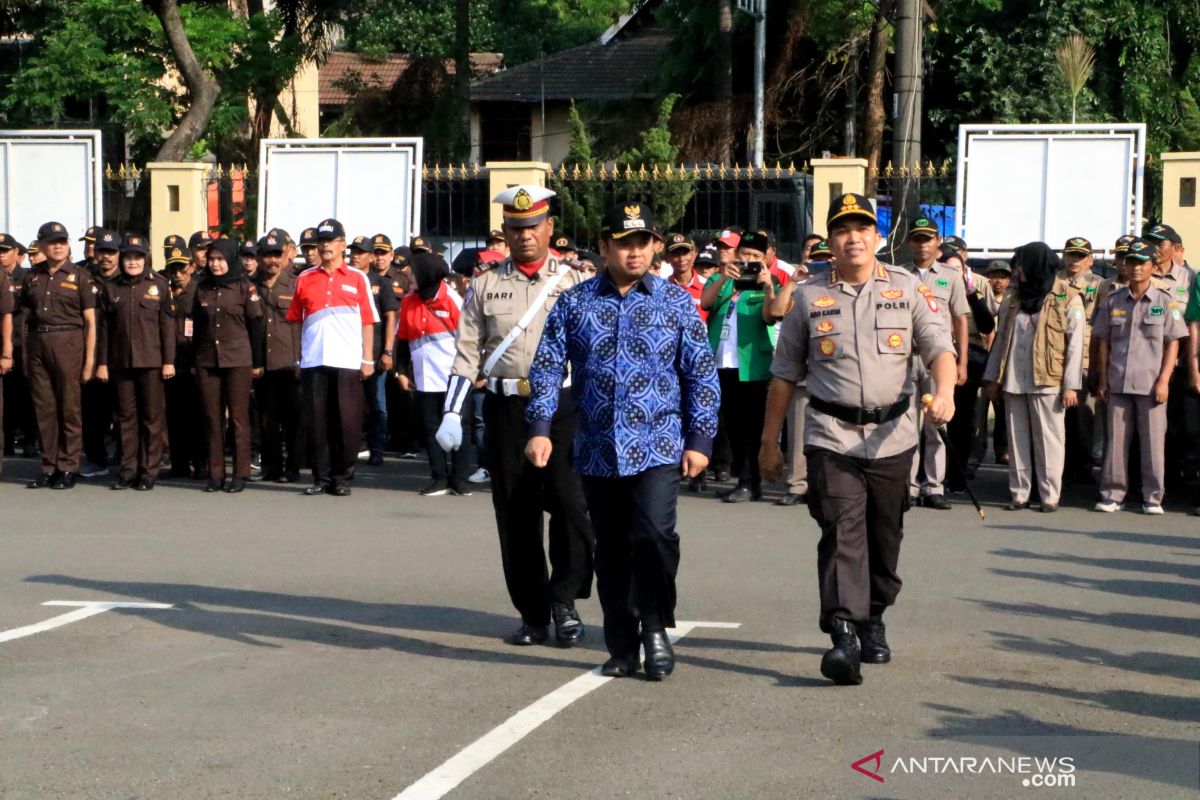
(353, 648)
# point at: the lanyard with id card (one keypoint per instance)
(727, 326)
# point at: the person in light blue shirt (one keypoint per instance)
(645, 386)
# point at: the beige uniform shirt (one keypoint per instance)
(1137, 331)
(852, 345)
(495, 303)
(1178, 283)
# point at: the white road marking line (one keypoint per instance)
(482, 751)
(83, 610)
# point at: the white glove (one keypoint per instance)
(449, 433)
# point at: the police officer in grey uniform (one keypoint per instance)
(945, 283)
(851, 334)
(502, 319)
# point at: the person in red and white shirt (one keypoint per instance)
(333, 302)
(428, 321)
(681, 254)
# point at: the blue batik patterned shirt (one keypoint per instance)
(643, 376)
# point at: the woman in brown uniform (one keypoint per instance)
(135, 349)
(228, 341)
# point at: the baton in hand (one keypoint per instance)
(926, 400)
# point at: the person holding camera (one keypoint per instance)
(741, 331)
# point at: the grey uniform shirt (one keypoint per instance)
(1018, 375)
(1178, 283)
(946, 285)
(1136, 331)
(852, 346)
(495, 303)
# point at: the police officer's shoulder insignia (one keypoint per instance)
(824, 301)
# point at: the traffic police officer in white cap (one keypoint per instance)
(502, 320)
(850, 334)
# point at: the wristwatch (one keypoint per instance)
(387, 353)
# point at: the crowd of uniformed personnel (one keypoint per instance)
(879, 382)
(87, 371)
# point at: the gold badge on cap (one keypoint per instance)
(633, 212)
(176, 252)
(522, 202)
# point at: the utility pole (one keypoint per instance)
(908, 111)
(758, 10)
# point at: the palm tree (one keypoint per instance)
(1076, 61)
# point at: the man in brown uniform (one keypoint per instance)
(60, 352)
(135, 350)
(277, 390)
(7, 304)
(184, 411)
(498, 333)
(851, 334)
(19, 418)
(98, 398)
(1138, 329)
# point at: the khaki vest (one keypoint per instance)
(1050, 337)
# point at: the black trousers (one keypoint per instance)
(333, 399)
(443, 465)
(185, 421)
(226, 390)
(277, 396)
(637, 552)
(18, 406)
(404, 418)
(99, 403)
(1183, 419)
(961, 428)
(859, 504)
(743, 408)
(520, 495)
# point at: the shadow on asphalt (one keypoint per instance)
(1152, 623)
(248, 617)
(1019, 727)
(1157, 664)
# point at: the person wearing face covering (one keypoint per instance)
(428, 319)
(228, 330)
(1037, 362)
(135, 352)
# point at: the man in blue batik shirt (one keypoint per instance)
(645, 386)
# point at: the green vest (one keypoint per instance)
(756, 339)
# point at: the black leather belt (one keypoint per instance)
(862, 416)
(56, 328)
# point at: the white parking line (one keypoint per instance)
(478, 754)
(83, 610)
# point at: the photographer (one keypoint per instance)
(741, 331)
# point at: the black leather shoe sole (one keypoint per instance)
(838, 666)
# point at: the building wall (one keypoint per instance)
(551, 144)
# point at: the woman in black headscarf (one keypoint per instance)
(135, 349)
(428, 319)
(228, 344)
(1037, 361)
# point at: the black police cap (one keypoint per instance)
(133, 243)
(271, 244)
(53, 232)
(755, 240)
(850, 205)
(625, 219)
(330, 229)
(1161, 233)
